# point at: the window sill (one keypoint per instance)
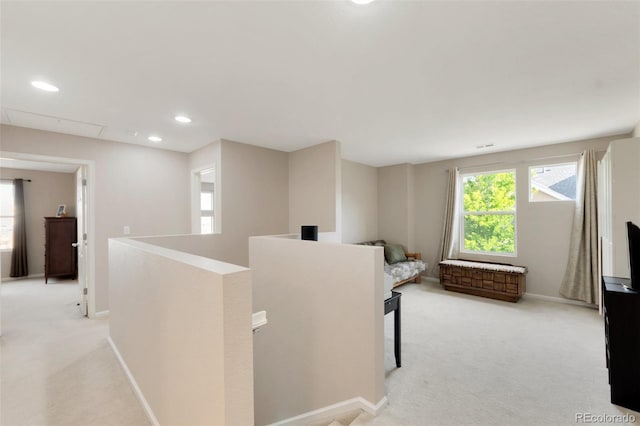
(480, 254)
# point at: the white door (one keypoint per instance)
(81, 213)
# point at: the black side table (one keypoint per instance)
(392, 304)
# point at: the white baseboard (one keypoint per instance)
(535, 296)
(28, 277)
(559, 300)
(101, 314)
(334, 410)
(134, 384)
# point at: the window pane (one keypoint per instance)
(489, 192)
(6, 233)
(491, 233)
(206, 225)
(206, 201)
(6, 199)
(553, 183)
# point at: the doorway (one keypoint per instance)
(205, 201)
(83, 179)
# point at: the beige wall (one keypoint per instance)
(305, 358)
(205, 157)
(636, 131)
(359, 202)
(42, 196)
(314, 188)
(543, 229)
(396, 195)
(253, 187)
(141, 187)
(188, 375)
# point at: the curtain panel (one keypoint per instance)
(581, 280)
(19, 265)
(448, 242)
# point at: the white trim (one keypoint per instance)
(101, 314)
(559, 300)
(334, 410)
(91, 225)
(136, 389)
(461, 212)
(195, 211)
(535, 296)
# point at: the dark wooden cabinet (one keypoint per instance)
(60, 256)
(622, 341)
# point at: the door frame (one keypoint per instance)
(195, 199)
(90, 217)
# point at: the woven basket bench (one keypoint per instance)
(494, 280)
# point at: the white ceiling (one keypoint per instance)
(395, 81)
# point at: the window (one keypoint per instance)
(488, 213)
(6, 215)
(207, 223)
(552, 183)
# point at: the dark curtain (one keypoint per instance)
(19, 266)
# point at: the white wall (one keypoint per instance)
(42, 196)
(182, 326)
(543, 229)
(144, 188)
(315, 188)
(306, 358)
(625, 199)
(359, 202)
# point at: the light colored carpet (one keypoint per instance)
(56, 366)
(474, 361)
(466, 361)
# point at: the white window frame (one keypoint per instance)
(565, 163)
(7, 249)
(196, 211)
(462, 213)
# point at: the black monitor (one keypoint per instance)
(633, 236)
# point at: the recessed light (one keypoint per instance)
(182, 119)
(154, 138)
(361, 1)
(43, 85)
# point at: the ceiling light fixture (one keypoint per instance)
(361, 2)
(154, 138)
(42, 85)
(182, 119)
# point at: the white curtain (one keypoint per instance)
(448, 243)
(581, 280)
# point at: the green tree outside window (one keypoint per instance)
(489, 212)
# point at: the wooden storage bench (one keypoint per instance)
(494, 280)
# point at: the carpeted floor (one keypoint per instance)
(466, 361)
(56, 366)
(474, 361)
